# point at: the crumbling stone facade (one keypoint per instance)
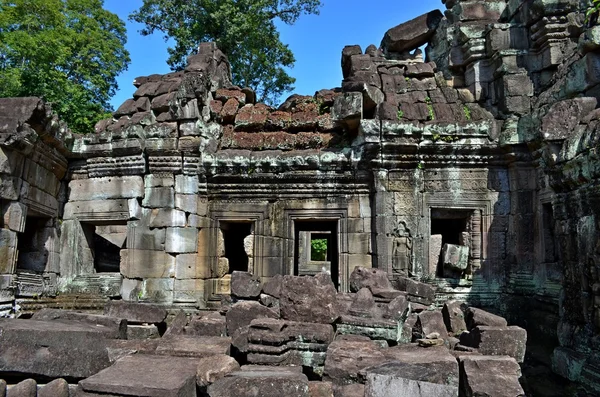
(472, 167)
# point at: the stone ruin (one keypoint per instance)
(462, 176)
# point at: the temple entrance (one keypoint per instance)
(450, 242)
(238, 241)
(105, 243)
(34, 243)
(316, 248)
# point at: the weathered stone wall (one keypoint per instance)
(472, 167)
(32, 165)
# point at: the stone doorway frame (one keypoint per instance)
(234, 212)
(339, 215)
(464, 202)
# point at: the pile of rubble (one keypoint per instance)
(292, 336)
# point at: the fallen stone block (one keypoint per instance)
(490, 376)
(51, 349)
(190, 346)
(244, 286)
(26, 388)
(436, 359)
(362, 277)
(497, 341)
(417, 292)
(255, 382)
(213, 368)
(136, 312)
(213, 324)
(407, 380)
(412, 34)
(351, 390)
(2, 388)
(430, 321)
(454, 317)
(346, 358)
(56, 388)
(137, 331)
(177, 325)
(113, 328)
(242, 313)
(144, 375)
(364, 305)
(455, 258)
(309, 299)
(475, 317)
(320, 389)
(118, 348)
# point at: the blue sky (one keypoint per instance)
(316, 40)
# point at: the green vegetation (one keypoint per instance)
(68, 52)
(467, 112)
(243, 29)
(591, 15)
(430, 111)
(318, 249)
(400, 113)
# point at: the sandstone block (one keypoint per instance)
(166, 217)
(51, 349)
(193, 346)
(347, 109)
(475, 317)
(191, 266)
(242, 313)
(136, 263)
(185, 184)
(490, 376)
(455, 257)
(243, 285)
(347, 358)
(56, 388)
(136, 312)
(210, 325)
(159, 197)
(101, 210)
(435, 249)
(26, 388)
(213, 368)
(428, 322)
(362, 277)
(8, 251)
(264, 382)
(497, 341)
(145, 375)
(309, 299)
(407, 380)
(412, 34)
(181, 240)
(454, 317)
(13, 215)
(112, 327)
(106, 188)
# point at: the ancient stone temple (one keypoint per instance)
(460, 156)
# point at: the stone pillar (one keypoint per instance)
(476, 234)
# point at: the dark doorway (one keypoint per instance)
(234, 234)
(31, 244)
(321, 233)
(454, 225)
(548, 233)
(105, 243)
(450, 229)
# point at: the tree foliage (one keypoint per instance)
(68, 52)
(243, 29)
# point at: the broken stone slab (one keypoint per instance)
(436, 358)
(213, 324)
(210, 369)
(112, 327)
(242, 313)
(475, 317)
(273, 286)
(142, 331)
(455, 257)
(397, 308)
(497, 341)
(26, 388)
(119, 348)
(490, 376)
(412, 34)
(144, 375)
(51, 349)
(277, 332)
(454, 317)
(351, 390)
(255, 382)
(193, 346)
(362, 277)
(136, 313)
(347, 357)
(417, 292)
(348, 109)
(364, 305)
(320, 389)
(430, 321)
(398, 379)
(309, 299)
(244, 285)
(375, 329)
(56, 388)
